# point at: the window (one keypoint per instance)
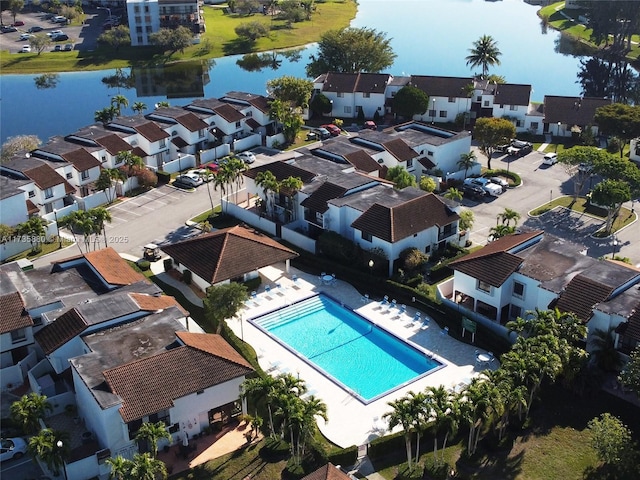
(513, 107)
(138, 19)
(18, 335)
(136, 9)
(518, 289)
(366, 95)
(502, 105)
(201, 133)
(32, 194)
(84, 175)
(118, 160)
(452, 99)
(139, 38)
(486, 103)
(443, 114)
(518, 123)
(249, 113)
(429, 153)
(237, 124)
(147, 19)
(148, 29)
(104, 158)
(163, 143)
(427, 249)
(48, 193)
(483, 286)
(347, 109)
(340, 94)
(366, 237)
(393, 94)
(534, 125)
(146, 9)
(69, 176)
(161, 416)
(478, 99)
(515, 311)
(410, 163)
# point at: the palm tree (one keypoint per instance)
(100, 215)
(163, 104)
(145, 467)
(130, 161)
(604, 350)
(500, 231)
(152, 433)
(443, 410)
(507, 216)
(105, 115)
(139, 107)
(120, 468)
(290, 187)
(484, 53)
(269, 184)
(468, 91)
(50, 446)
(453, 194)
(220, 181)
(80, 221)
(119, 101)
(467, 161)
(29, 410)
(417, 403)
(232, 171)
(402, 414)
(261, 388)
(33, 229)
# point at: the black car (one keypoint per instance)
(9, 29)
(35, 29)
(473, 191)
(60, 38)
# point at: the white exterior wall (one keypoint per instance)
(143, 19)
(519, 114)
(445, 156)
(534, 124)
(452, 109)
(371, 105)
(59, 359)
(14, 209)
(228, 128)
(7, 345)
(188, 409)
(55, 201)
(634, 153)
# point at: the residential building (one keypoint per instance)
(150, 142)
(149, 16)
(567, 116)
(17, 352)
(448, 96)
(188, 132)
(350, 93)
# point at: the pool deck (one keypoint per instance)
(350, 421)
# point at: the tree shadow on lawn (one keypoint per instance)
(238, 46)
(492, 465)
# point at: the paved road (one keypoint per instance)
(540, 184)
(23, 469)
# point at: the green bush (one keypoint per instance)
(344, 457)
(275, 449)
(144, 265)
(515, 178)
(384, 446)
(186, 277)
(168, 264)
(253, 283)
(163, 177)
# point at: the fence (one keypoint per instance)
(178, 165)
(299, 240)
(247, 142)
(212, 154)
(249, 217)
(277, 139)
(95, 199)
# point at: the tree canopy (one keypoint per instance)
(491, 132)
(620, 120)
(352, 50)
(173, 40)
(116, 37)
(485, 53)
(293, 91)
(400, 177)
(224, 301)
(410, 101)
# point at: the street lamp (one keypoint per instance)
(179, 162)
(371, 267)
(558, 134)
(59, 444)
(55, 214)
(433, 110)
(615, 244)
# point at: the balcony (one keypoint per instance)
(447, 232)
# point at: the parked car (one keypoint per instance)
(18, 23)
(34, 29)
(55, 32)
(60, 38)
(12, 448)
(25, 49)
(247, 157)
(484, 183)
(369, 125)
(333, 129)
(68, 47)
(323, 132)
(213, 167)
(500, 181)
(8, 29)
(190, 179)
(312, 136)
(205, 174)
(519, 149)
(550, 159)
(473, 191)
(57, 48)
(25, 36)
(59, 19)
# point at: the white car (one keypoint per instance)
(25, 36)
(247, 157)
(26, 49)
(550, 159)
(55, 33)
(500, 181)
(484, 183)
(189, 179)
(12, 448)
(203, 173)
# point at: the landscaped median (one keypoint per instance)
(218, 40)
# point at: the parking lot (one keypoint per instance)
(82, 37)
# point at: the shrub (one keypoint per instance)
(275, 449)
(613, 145)
(163, 177)
(381, 447)
(186, 277)
(345, 457)
(168, 264)
(412, 258)
(144, 265)
(253, 283)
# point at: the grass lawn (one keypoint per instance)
(44, 249)
(219, 40)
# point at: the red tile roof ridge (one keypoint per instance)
(213, 344)
(501, 245)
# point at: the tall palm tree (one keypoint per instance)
(139, 107)
(145, 467)
(152, 433)
(507, 216)
(120, 468)
(417, 403)
(467, 161)
(261, 388)
(484, 53)
(269, 184)
(100, 215)
(312, 407)
(453, 194)
(467, 91)
(402, 414)
(80, 221)
(130, 161)
(50, 446)
(106, 114)
(33, 229)
(119, 101)
(476, 410)
(604, 350)
(220, 181)
(290, 187)
(443, 410)
(29, 410)
(233, 170)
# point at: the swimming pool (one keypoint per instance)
(364, 359)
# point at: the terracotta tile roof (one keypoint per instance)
(253, 123)
(44, 176)
(151, 131)
(362, 161)
(229, 113)
(400, 150)
(581, 294)
(14, 316)
(64, 328)
(31, 207)
(151, 384)
(512, 94)
(81, 159)
(327, 472)
(393, 223)
(192, 122)
(228, 253)
(317, 201)
(493, 264)
(356, 82)
(139, 152)
(441, 86)
(426, 163)
(631, 328)
(214, 345)
(151, 303)
(179, 142)
(113, 269)
(340, 82)
(281, 170)
(572, 110)
(114, 144)
(261, 103)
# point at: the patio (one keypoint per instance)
(352, 422)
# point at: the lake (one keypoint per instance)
(430, 37)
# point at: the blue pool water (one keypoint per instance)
(356, 354)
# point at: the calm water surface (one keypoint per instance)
(430, 37)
